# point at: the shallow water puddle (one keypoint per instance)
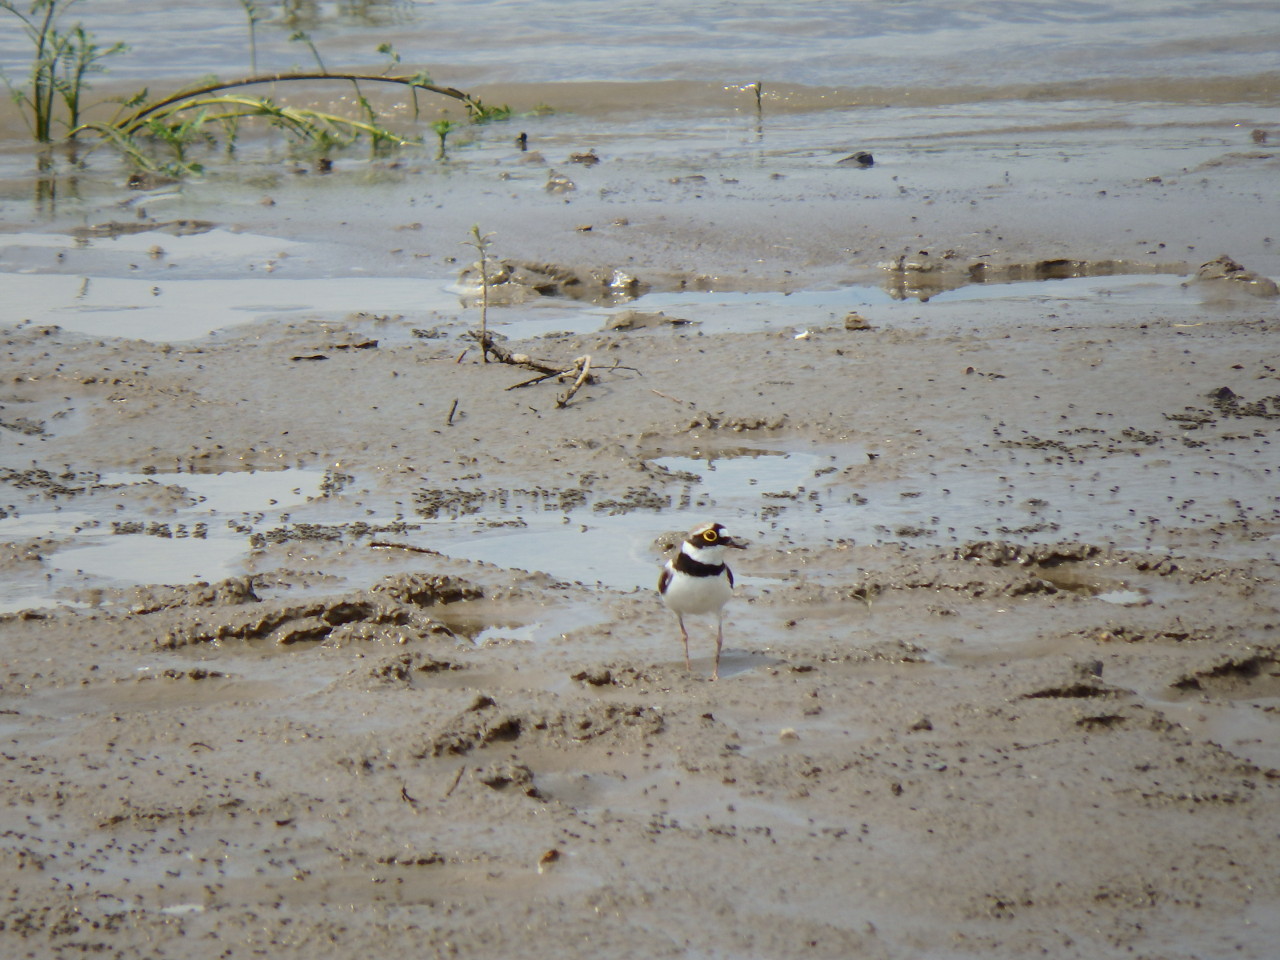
(737, 312)
(141, 529)
(1151, 289)
(611, 551)
(175, 528)
(194, 543)
(1084, 579)
(612, 543)
(547, 319)
(712, 312)
(746, 473)
(160, 286)
(1123, 598)
(170, 311)
(27, 252)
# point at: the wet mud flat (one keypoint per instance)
(322, 637)
(1002, 677)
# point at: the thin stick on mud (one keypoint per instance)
(452, 410)
(480, 241)
(666, 396)
(388, 545)
(484, 306)
(456, 780)
(584, 363)
(538, 379)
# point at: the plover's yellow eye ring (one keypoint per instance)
(710, 536)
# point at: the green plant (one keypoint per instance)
(158, 134)
(60, 65)
(255, 17)
(478, 112)
(390, 52)
(179, 135)
(185, 121)
(301, 36)
(443, 128)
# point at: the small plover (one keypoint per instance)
(698, 581)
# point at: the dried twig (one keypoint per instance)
(583, 365)
(503, 355)
(673, 399)
(580, 369)
(538, 379)
(480, 241)
(388, 545)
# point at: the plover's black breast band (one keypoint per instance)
(696, 568)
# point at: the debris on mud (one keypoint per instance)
(392, 611)
(484, 723)
(515, 281)
(1001, 553)
(921, 274)
(1227, 275)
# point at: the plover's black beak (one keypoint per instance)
(735, 544)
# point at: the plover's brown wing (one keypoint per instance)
(729, 573)
(664, 578)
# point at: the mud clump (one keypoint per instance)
(1228, 276)
(1001, 553)
(503, 776)
(484, 723)
(1254, 675)
(514, 281)
(390, 611)
(1230, 404)
(403, 667)
(636, 498)
(740, 424)
(921, 274)
(355, 619)
(1079, 690)
(425, 590)
(49, 484)
(117, 228)
(230, 592)
(642, 320)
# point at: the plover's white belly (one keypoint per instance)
(697, 595)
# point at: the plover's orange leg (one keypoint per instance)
(684, 635)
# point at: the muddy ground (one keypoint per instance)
(1057, 738)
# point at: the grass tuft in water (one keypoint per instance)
(160, 134)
